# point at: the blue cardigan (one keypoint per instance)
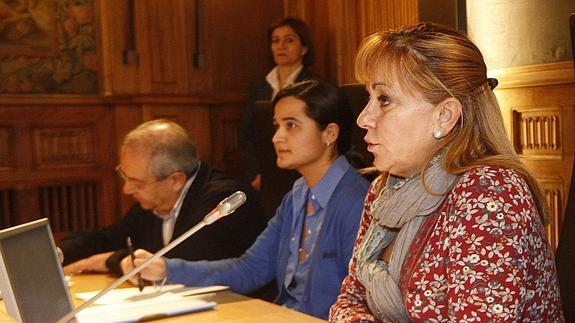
(267, 258)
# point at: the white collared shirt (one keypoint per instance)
(273, 79)
(170, 219)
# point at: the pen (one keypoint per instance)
(131, 251)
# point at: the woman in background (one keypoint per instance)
(452, 228)
(307, 245)
(292, 52)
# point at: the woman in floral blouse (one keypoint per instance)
(452, 228)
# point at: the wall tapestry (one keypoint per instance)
(48, 46)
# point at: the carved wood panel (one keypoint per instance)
(537, 131)
(64, 147)
(71, 207)
(62, 159)
(225, 123)
(538, 107)
(553, 191)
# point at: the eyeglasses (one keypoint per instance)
(137, 183)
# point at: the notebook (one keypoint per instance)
(34, 287)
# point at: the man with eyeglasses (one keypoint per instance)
(174, 190)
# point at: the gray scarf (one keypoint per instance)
(398, 213)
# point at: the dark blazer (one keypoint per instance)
(259, 91)
(255, 146)
(228, 237)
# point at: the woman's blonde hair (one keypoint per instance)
(439, 62)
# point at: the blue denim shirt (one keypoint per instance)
(268, 257)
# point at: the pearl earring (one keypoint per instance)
(437, 134)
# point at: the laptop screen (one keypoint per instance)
(31, 278)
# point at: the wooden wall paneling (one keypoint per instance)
(198, 62)
(225, 123)
(236, 45)
(555, 102)
(163, 37)
(553, 189)
(534, 75)
(56, 147)
(537, 131)
(232, 35)
(118, 78)
(26, 204)
(22, 145)
(60, 152)
(538, 107)
(196, 119)
(72, 206)
(229, 36)
(84, 149)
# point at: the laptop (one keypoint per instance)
(31, 279)
(34, 287)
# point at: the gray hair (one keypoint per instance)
(170, 146)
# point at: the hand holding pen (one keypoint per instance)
(132, 257)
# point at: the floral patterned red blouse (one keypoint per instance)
(482, 256)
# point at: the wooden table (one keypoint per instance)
(231, 307)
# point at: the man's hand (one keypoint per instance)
(92, 264)
(155, 271)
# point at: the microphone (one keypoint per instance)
(226, 207)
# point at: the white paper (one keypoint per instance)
(122, 295)
(131, 294)
(164, 305)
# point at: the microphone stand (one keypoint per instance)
(224, 208)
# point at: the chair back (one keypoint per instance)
(357, 97)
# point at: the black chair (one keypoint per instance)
(357, 97)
